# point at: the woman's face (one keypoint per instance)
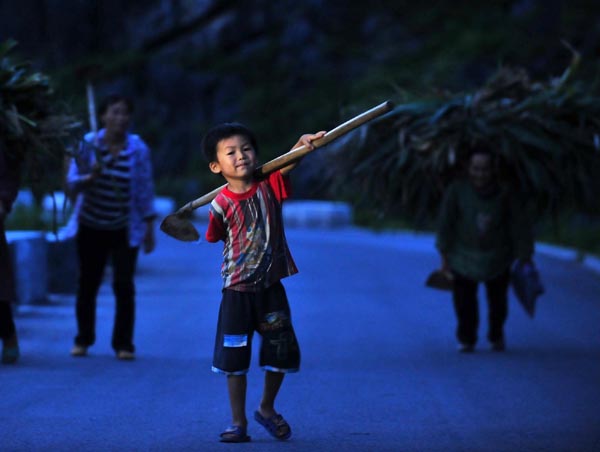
(116, 118)
(480, 170)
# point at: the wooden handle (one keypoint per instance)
(89, 89)
(297, 153)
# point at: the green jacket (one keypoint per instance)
(481, 235)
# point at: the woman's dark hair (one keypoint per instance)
(481, 148)
(112, 99)
(222, 132)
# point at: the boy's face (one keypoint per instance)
(236, 158)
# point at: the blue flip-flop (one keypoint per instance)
(234, 434)
(276, 425)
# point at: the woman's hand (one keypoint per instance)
(93, 175)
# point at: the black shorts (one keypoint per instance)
(266, 312)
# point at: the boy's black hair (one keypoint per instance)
(222, 132)
(112, 99)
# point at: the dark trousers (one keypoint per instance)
(7, 324)
(7, 289)
(466, 307)
(94, 248)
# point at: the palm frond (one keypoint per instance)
(34, 126)
(545, 135)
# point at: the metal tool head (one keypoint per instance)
(179, 226)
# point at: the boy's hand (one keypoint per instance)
(308, 138)
(305, 140)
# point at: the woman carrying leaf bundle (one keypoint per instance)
(112, 175)
(481, 231)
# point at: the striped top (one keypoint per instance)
(139, 192)
(106, 204)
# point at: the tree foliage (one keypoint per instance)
(33, 127)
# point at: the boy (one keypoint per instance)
(246, 216)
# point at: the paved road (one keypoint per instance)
(380, 371)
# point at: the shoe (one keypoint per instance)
(125, 355)
(79, 350)
(465, 348)
(10, 350)
(498, 346)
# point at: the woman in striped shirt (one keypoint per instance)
(112, 175)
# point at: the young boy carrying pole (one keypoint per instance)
(246, 216)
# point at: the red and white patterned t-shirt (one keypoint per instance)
(255, 254)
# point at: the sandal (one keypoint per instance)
(234, 434)
(275, 425)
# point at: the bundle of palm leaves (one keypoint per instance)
(545, 137)
(34, 127)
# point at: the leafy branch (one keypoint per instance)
(35, 128)
(545, 137)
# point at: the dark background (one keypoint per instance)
(284, 67)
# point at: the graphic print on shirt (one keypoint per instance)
(247, 252)
(255, 252)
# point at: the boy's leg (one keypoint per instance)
(279, 354)
(233, 341)
(236, 385)
(266, 415)
(273, 381)
(279, 351)
(232, 357)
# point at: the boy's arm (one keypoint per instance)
(216, 229)
(305, 140)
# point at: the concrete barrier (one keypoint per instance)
(164, 206)
(63, 268)
(317, 214)
(29, 254)
(305, 214)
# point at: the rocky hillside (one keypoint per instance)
(282, 67)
